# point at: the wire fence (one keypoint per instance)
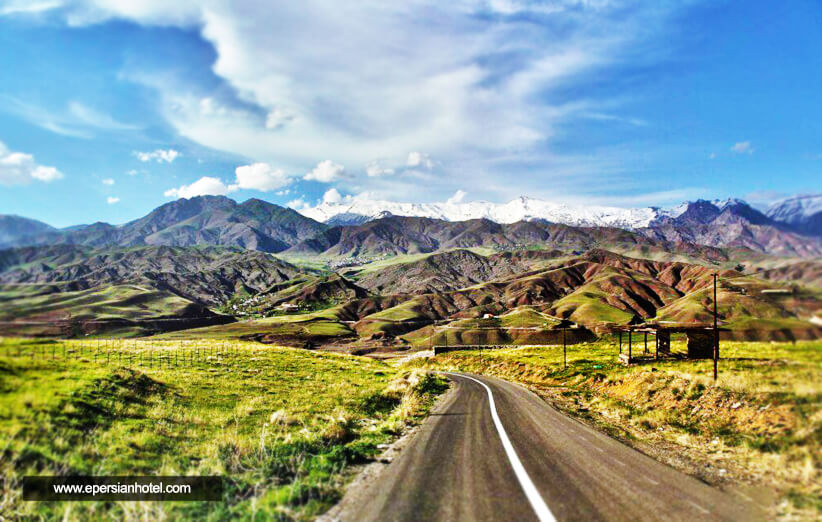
(144, 354)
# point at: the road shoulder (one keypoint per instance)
(366, 476)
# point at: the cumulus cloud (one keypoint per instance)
(464, 81)
(159, 155)
(329, 74)
(260, 176)
(419, 159)
(326, 172)
(332, 196)
(457, 197)
(18, 168)
(112, 200)
(297, 204)
(205, 186)
(108, 181)
(742, 147)
(256, 176)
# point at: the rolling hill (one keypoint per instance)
(208, 276)
(13, 228)
(447, 271)
(597, 289)
(202, 220)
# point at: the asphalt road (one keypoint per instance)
(531, 463)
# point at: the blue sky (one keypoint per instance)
(109, 108)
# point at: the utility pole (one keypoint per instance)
(564, 351)
(716, 332)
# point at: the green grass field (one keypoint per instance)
(306, 327)
(282, 425)
(111, 302)
(761, 422)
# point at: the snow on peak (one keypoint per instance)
(722, 204)
(795, 209)
(360, 210)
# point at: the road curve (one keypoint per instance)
(457, 467)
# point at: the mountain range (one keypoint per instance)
(202, 220)
(803, 213)
(396, 235)
(359, 211)
(789, 228)
(207, 261)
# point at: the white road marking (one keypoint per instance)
(537, 503)
(697, 506)
(617, 461)
(652, 481)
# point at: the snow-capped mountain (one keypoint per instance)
(803, 212)
(358, 211)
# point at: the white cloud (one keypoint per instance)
(419, 159)
(257, 176)
(457, 197)
(112, 200)
(159, 155)
(205, 186)
(18, 168)
(76, 120)
(87, 116)
(601, 116)
(742, 147)
(329, 74)
(326, 172)
(278, 118)
(108, 181)
(712, 155)
(297, 204)
(374, 169)
(260, 176)
(44, 173)
(28, 7)
(332, 196)
(466, 81)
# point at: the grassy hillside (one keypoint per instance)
(111, 302)
(281, 425)
(749, 304)
(302, 330)
(397, 295)
(206, 275)
(595, 290)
